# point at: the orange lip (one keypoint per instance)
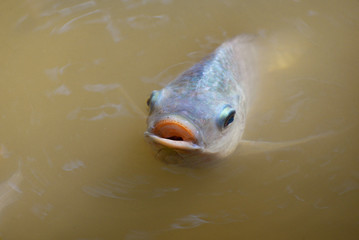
(174, 130)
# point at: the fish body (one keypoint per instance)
(201, 114)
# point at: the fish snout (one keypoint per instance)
(175, 132)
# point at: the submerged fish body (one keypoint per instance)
(201, 114)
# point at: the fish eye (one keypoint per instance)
(226, 117)
(152, 99)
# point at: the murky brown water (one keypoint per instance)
(74, 78)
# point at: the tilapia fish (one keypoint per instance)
(201, 114)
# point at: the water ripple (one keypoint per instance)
(9, 189)
(145, 21)
(108, 110)
(68, 25)
(70, 166)
(101, 87)
(190, 221)
(67, 10)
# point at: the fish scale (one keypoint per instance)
(214, 73)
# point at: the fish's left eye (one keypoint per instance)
(152, 99)
(226, 117)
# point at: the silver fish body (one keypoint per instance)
(201, 114)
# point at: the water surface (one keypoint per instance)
(74, 79)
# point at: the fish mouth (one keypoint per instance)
(175, 132)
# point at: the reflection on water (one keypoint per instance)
(9, 190)
(75, 76)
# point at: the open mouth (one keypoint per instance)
(175, 133)
(174, 130)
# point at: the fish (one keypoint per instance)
(201, 115)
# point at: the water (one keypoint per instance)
(75, 76)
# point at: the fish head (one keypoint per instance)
(194, 126)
